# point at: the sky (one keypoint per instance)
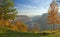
(32, 7)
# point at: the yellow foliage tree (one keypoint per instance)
(14, 28)
(21, 26)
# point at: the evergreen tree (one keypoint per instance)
(7, 11)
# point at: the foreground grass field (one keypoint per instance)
(23, 34)
(17, 34)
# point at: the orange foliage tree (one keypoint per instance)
(35, 29)
(53, 17)
(21, 26)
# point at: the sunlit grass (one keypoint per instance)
(45, 33)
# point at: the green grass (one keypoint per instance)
(17, 34)
(9, 33)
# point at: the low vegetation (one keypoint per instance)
(10, 33)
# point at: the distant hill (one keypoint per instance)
(22, 18)
(41, 21)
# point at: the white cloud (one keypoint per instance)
(59, 9)
(32, 10)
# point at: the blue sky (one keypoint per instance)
(32, 7)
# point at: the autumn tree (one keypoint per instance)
(53, 14)
(7, 11)
(35, 29)
(21, 26)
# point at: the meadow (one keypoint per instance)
(27, 34)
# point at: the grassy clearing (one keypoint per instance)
(23, 34)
